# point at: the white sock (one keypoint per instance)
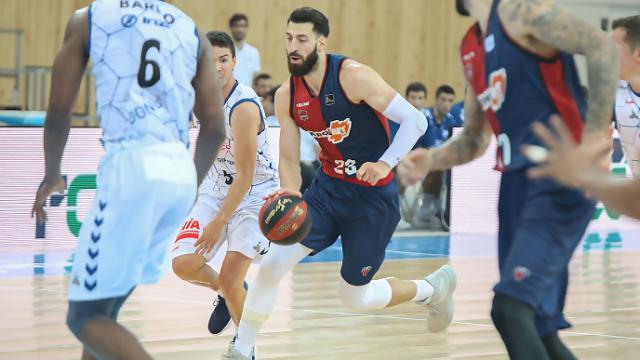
(423, 290)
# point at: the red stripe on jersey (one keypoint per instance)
(385, 124)
(472, 53)
(553, 78)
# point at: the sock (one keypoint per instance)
(424, 290)
(248, 331)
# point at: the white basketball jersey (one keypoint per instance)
(627, 113)
(144, 55)
(222, 173)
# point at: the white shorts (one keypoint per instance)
(242, 232)
(143, 194)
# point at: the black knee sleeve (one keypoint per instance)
(556, 349)
(516, 324)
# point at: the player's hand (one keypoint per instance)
(373, 172)
(282, 192)
(210, 236)
(415, 166)
(47, 187)
(565, 160)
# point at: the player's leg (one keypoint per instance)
(530, 295)
(366, 232)
(186, 264)
(92, 321)
(246, 243)
(428, 215)
(262, 294)
(109, 256)
(194, 268)
(548, 325)
(232, 274)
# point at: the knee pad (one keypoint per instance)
(374, 295)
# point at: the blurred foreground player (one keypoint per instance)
(573, 164)
(146, 180)
(519, 67)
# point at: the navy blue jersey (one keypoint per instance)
(437, 132)
(349, 134)
(457, 111)
(517, 87)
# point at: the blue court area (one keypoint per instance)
(403, 246)
(422, 246)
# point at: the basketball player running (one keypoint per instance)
(519, 67)
(230, 197)
(572, 164)
(345, 106)
(146, 180)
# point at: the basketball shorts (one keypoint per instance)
(143, 194)
(242, 232)
(364, 217)
(541, 224)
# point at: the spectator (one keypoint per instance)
(457, 111)
(416, 95)
(262, 84)
(247, 56)
(269, 107)
(441, 121)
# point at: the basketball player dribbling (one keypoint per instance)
(344, 105)
(146, 181)
(519, 68)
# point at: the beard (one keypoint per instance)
(461, 9)
(306, 66)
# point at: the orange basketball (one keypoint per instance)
(284, 219)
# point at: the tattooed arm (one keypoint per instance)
(543, 26)
(470, 143)
(461, 149)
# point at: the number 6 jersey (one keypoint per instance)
(144, 55)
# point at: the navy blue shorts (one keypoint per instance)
(541, 224)
(364, 217)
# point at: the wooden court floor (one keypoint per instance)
(309, 322)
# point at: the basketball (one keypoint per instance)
(284, 219)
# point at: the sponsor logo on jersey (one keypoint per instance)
(302, 104)
(337, 131)
(129, 20)
(493, 97)
(329, 99)
(489, 43)
(303, 115)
